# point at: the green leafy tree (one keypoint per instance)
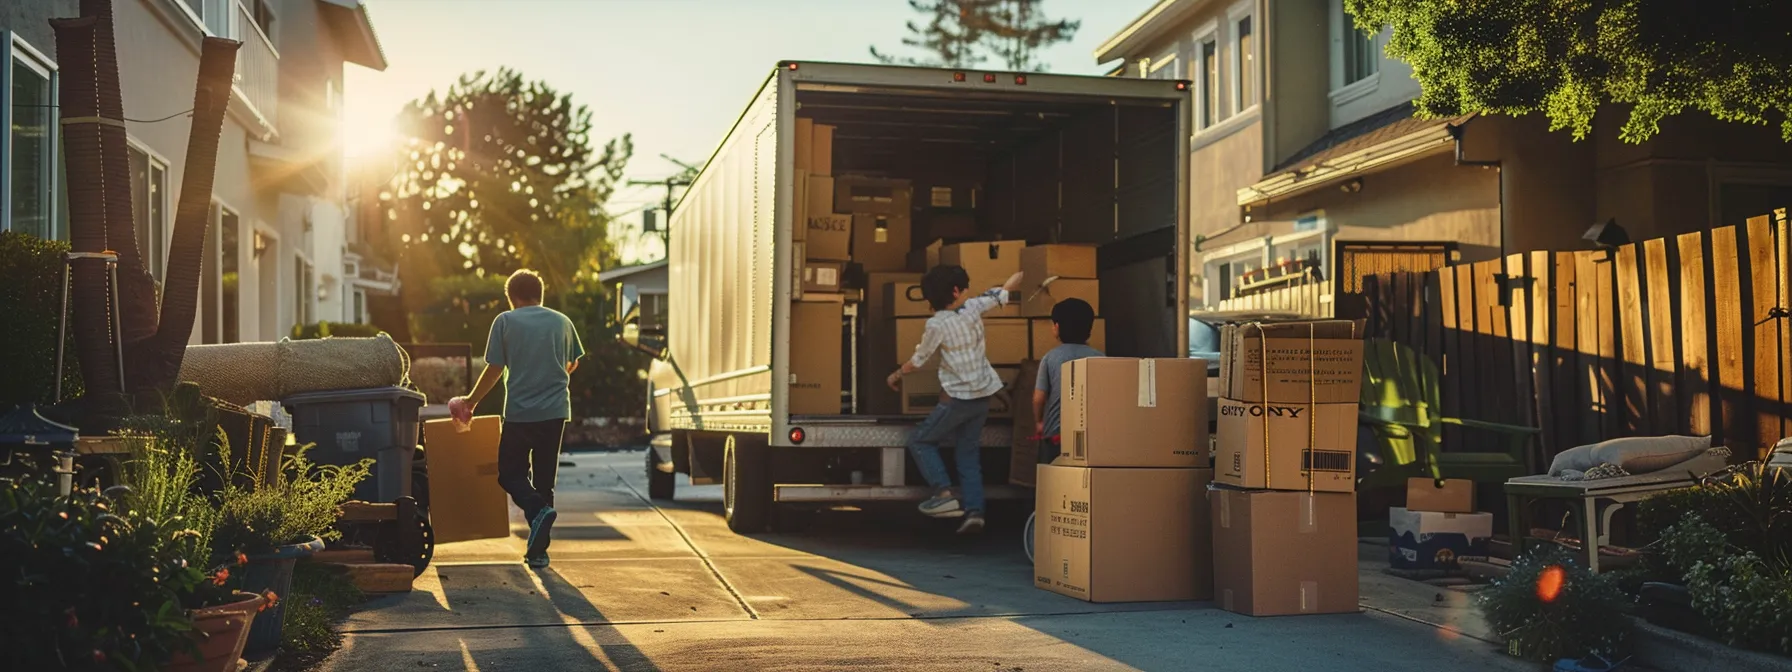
(967, 33)
(1567, 58)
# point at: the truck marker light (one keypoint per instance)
(989, 79)
(957, 76)
(1020, 79)
(1180, 86)
(792, 66)
(797, 435)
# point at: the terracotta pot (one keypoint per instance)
(222, 630)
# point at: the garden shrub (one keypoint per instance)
(31, 272)
(335, 329)
(1548, 607)
(1741, 597)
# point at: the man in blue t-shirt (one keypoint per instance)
(535, 350)
(1072, 321)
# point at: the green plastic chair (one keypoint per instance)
(1400, 404)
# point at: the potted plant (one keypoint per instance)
(1550, 608)
(274, 524)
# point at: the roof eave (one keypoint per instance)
(1154, 23)
(1293, 182)
(361, 45)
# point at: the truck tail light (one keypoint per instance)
(797, 435)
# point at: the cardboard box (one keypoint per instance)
(815, 338)
(1294, 351)
(880, 243)
(905, 300)
(1240, 456)
(1126, 412)
(1005, 340)
(466, 464)
(1124, 535)
(933, 253)
(1064, 261)
(803, 143)
(871, 195)
(1457, 495)
(819, 196)
(1023, 449)
(950, 225)
(1284, 553)
(822, 276)
(921, 391)
(1044, 341)
(821, 150)
(988, 264)
(877, 354)
(827, 238)
(1436, 541)
(1037, 301)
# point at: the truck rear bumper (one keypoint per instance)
(879, 493)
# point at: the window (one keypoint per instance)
(360, 315)
(230, 265)
(30, 156)
(1162, 67)
(302, 290)
(1360, 57)
(1207, 71)
(1244, 60)
(263, 14)
(149, 204)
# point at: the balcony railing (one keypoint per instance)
(257, 66)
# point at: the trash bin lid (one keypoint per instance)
(390, 393)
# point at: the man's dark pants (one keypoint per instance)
(528, 459)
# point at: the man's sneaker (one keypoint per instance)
(973, 523)
(538, 532)
(537, 561)
(942, 506)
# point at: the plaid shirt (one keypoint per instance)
(957, 335)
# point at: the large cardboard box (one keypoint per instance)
(988, 264)
(821, 276)
(466, 465)
(827, 238)
(1321, 435)
(1456, 496)
(1023, 449)
(819, 196)
(1294, 352)
(877, 354)
(1124, 535)
(1064, 261)
(821, 150)
(803, 144)
(1044, 341)
(1436, 541)
(1037, 300)
(952, 225)
(880, 243)
(1005, 340)
(905, 300)
(1282, 553)
(921, 391)
(1126, 412)
(815, 338)
(871, 195)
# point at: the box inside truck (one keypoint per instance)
(984, 180)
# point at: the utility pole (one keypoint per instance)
(682, 179)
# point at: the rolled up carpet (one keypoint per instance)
(244, 373)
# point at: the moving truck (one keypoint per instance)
(986, 156)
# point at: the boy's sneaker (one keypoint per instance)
(942, 506)
(538, 532)
(537, 561)
(973, 523)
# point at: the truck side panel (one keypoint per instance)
(723, 244)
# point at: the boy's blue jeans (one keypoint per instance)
(959, 421)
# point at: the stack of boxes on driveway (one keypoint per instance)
(1438, 528)
(1121, 515)
(1283, 503)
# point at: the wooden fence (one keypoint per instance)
(1311, 300)
(1689, 335)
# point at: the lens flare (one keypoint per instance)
(1549, 583)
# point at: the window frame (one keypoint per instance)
(304, 308)
(1246, 9)
(1170, 61)
(1206, 100)
(16, 50)
(156, 260)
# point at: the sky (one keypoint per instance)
(675, 73)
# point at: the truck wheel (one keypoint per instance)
(746, 487)
(660, 484)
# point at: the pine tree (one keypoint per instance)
(968, 33)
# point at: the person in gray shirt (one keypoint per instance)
(1072, 321)
(535, 349)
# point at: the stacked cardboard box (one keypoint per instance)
(1284, 499)
(1438, 528)
(817, 312)
(1121, 514)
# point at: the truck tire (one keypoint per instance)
(660, 485)
(746, 486)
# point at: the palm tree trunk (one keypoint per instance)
(137, 298)
(192, 215)
(82, 147)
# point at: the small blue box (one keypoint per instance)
(1438, 541)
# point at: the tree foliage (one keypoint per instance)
(967, 33)
(500, 173)
(1567, 58)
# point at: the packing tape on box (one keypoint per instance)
(1309, 518)
(1312, 395)
(1225, 508)
(1147, 383)
(1226, 600)
(1309, 596)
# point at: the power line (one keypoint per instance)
(134, 121)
